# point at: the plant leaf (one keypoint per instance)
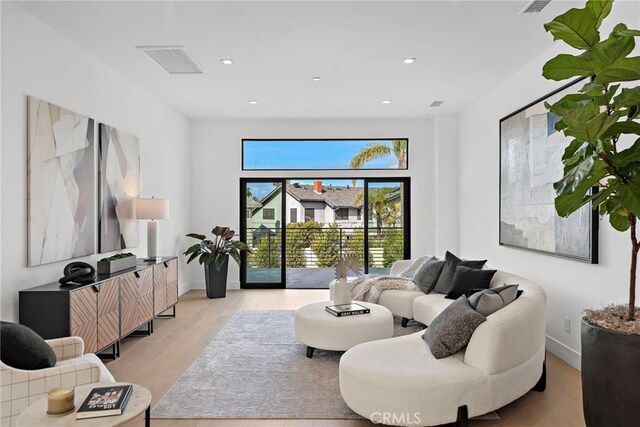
(619, 222)
(600, 9)
(628, 97)
(630, 197)
(624, 127)
(573, 178)
(576, 27)
(219, 262)
(625, 69)
(565, 66)
(606, 53)
(197, 236)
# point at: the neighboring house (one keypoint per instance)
(308, 203)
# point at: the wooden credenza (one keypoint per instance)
(105, 311)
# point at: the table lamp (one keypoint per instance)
(152, 209)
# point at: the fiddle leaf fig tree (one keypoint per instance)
(602, 120)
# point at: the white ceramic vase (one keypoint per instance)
(342, 292)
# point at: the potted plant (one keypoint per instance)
(602, 121)
(117, 262)
(214, 256)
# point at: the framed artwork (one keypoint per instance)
(531, 152)
(119, 189)
(61, 183)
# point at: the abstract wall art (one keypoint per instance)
(119, 188)
(61, 183)
(530, 162)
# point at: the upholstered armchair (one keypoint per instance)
(20, 388)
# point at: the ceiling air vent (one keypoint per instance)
(436, 103)
(535, 6)
(174, 59)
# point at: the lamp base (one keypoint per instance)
(152, 259)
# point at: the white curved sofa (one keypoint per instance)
(503, 361)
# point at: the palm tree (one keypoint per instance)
(382, 208)
(375, 150)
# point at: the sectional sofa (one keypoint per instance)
(397, 381)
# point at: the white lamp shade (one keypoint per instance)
(152, 208)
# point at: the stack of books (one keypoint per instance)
(347, 309)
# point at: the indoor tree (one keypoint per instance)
(601, 120)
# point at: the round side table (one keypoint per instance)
(139, 402)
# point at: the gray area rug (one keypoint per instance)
(255, 368)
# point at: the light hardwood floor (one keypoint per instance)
(158, 361)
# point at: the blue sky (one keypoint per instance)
(305, 154)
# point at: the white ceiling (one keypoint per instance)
(464, 48)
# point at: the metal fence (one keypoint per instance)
(322, 247)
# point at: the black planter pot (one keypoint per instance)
(610, 377)
(216, 281)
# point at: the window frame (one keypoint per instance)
(272, 211)
(306, 216)
(337, 217)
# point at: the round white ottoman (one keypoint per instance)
(316, 328)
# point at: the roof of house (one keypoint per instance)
(336, 196)
(253, 203)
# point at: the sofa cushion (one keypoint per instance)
(22, 348)
(414, 266)
(489, 301)
(427, 275)
(428, 307)
(465, 279)
(451, 331)
(449, 270)
(399, 301)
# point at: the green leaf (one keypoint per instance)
(606, 53)
(192, 257)
(197, 236)
(628, 97)
(569, 202)
(236, 256)
(625, 69)
(220, 259)
(630, 197)
(571, 149)
(576, 27)
(191, 249)
(631, 154)
(573, 178)
(619, 222)
(625, 127)
(565, 66)
(600, 9)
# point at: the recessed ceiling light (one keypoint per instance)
(386, 101)
(436, 103)
(316, 79)
(409, 60)
(227, 61)
(253, 102)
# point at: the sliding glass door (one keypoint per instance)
(298, 229)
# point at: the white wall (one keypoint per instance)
(216, 169)
(571, 286)
(38, 61)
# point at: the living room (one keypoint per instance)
(449, 93)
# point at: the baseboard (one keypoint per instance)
(200, 285)
(565, 353)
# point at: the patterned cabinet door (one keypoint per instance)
(84, 317)
(172, 270)
(108, 313)
(172, 282)
(145, 299)
(159, 288)
(172, 293)
(129, 295)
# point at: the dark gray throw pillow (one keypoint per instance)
(489, 301)
(427, 275)
(466, 279)
(22, 348)
(452, 329)
(443, 286)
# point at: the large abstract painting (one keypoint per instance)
(61, 183)
(530, 162)
(119, 188)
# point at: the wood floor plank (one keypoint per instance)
(159, 360)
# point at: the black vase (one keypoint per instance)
(216, 280)
(610, 377)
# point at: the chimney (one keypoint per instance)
(317, 186)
